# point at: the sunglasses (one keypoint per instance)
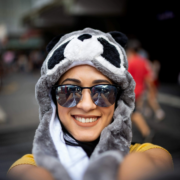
(103, 95)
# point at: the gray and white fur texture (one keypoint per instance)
(106, 53)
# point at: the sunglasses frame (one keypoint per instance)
(118, 87)
(55, 86)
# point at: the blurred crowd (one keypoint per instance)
(18, 61)
(21, 61)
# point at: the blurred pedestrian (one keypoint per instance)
(3, 115)
(8, 58)
(178, 78)
(140, 71)
(22, 62)
(151, 94)
(35, 59)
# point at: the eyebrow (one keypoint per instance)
(94, 82)
(73, 80)
(101, 81)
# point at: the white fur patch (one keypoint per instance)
(88, 49)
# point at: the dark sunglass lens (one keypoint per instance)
(68, 95)
(104, 95)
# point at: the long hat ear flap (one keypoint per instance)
(53, 42)
(119, 37)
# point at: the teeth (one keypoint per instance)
(85, 120)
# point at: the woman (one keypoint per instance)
(86, 97)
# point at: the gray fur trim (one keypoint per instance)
(43, 88)
(52, 165)
(104, 167)
(45, 153)
(42, 140)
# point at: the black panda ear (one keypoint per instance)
(52, 43)
(119, 37)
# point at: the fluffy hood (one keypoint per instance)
(105, 52)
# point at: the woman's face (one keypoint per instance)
(85, 76)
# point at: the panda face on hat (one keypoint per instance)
(87, 47)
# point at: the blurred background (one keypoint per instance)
(26, 26)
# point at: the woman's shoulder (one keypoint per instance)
(136, 147)
(26, 159)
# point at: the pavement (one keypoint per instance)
(20, 120)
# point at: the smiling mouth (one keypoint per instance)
(86, 120)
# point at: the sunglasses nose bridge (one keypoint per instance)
(85, 90)
(88, 88)
(86, 103)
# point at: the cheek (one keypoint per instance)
(108, 113)
(63, 113)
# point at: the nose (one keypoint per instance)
(86, 103)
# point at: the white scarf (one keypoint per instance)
(73, 158)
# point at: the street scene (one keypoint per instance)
(145, 30)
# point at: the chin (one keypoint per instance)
(86, 138)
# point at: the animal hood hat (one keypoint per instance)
(105, 52)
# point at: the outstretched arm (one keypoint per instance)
(29, 172)
(139, 165)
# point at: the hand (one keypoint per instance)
(29, 172)
(141, 165)
(104, 167)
